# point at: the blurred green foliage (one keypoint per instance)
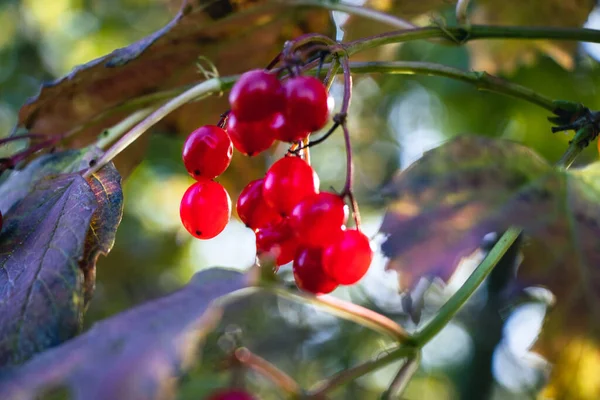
(393, 120)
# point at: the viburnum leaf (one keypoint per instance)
(138, 354)
(49, 244)
(234, 36)
(449, 199)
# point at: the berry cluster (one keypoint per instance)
(292, 219)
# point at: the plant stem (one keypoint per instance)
(359, 370)
(113, 133)
(347, 311)
(481, 80)
(20, 137)
(461, 11)
(454, 304)
(403, 377)
(461, 35)
(268, 370)
(202, 89)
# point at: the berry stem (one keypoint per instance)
(268, 370)
(111, 134)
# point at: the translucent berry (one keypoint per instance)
(205, 209)
(307, 103)
(288, 182)
(207, 152)
(230, 394)
(251, 137)
(308, 271)
(252, 208)
(278, 240)
(319, 219)
(256, 95)
(285, 131)
(348, 259)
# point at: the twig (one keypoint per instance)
(113, 133)
(357, 371)
(20, 137)
(268, 370)
(402, 378)
(348, 311)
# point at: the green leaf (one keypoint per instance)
(137, 354)
(445, 202)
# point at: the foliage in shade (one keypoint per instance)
(56, 226)
(445, 202)
(134, 355)
(167, 59)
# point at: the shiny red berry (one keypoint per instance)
(308, 271)
(319, 219)
(348, 259)
(286, 132)
(256, 95)
(205, 209)
(278, 240)
(307, 103)
(230, 394)
(252, 208)
(250, 137)
(288, 182)
(207, 152)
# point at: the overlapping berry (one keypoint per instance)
(293, 220)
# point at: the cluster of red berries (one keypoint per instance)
(292, 219)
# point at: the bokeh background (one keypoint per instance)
(393, 120)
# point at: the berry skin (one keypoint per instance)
(308, 271)
(230, 394)
(252, 137)
(347, 259)
(307, 103)
(288, 182)
(252, 208)
(256, 95)
(205, 209)
(286, 132)
(319, 219)
(207, 152)
(277, 239)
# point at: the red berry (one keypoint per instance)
(307, 103)
(348, 258)
(288, 182)
(277, 239)
(230, 394)
(319, 219)
(256, 95)
(205, 209)
(250, 137)
(207, 152)
(308, 271)
(286, 132)
(252, 208)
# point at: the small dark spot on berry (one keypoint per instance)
(197, 172)
(198, 233)
(92, 163)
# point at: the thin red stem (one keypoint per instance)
(12, 161)
(20, 137)
(268, 370)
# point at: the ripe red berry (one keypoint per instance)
(286, 132)
(308, 271)
(207, 152)
(230, 394)
(250, 137)
(205, 209)
(256, 95)
(319, 219)
(307, 103)
(278, 240)
(348, 259)
(288, 182)
(252, 208)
